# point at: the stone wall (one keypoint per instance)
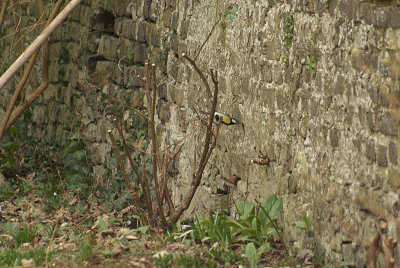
(315, 83)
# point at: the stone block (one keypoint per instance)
(167, 17)
(125, 48)
(357, 59)
(175, 21)
(394, 17)
(128, 29)
(366, 12)
(382, 156)
(154, 11)
(108, 47)
(371, 59)
(185, 24)
(53, 72)
(64, 114)
(387, 124)
(54, 51)
(100, 78)
(74, 16)
(376, 96)
(340, 84)
(393, 178)
(141, 31)
(163, 111)
(393, 152)
(137, 99)
(271, 49)
(122, 7)
(334, 137)
(370, 150)
(379, 16)
(85, 13)
(162, 91)
(118, 25)
(140, 54)
(153, 34)
(370, 120)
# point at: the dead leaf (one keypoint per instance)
(160, 254)
(117, 250)
(131, 237)
(28, 263)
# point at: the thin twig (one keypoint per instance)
(203, 78)
(154, 149)
(132, 191)
(187, 199)
(38, 42)
(11, 116)
(3, 12)
(146, 191)
(208, 37)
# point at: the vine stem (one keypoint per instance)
(275, 227)
(208, 37)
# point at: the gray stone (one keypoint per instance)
(167, 17)
(393, 152)
(140, 54)
(340, 85)
(108, 47)
(128, 29)
(388, 124)
(334, 137)
(163, 111)
(141, 31)
(370, 150)
(394, 17)
(382, 156)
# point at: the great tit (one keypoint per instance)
(223, 117)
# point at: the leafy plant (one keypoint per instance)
(257, 228)
(253, 254)
(186, 260)
(7, 149)
(223, 255)
(14, 257)
(288, 30)
(163, 261)
(85, 249)
(214, 229)
(305, 222)
(76, 168)
(229, 16)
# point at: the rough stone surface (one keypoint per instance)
(315, 83)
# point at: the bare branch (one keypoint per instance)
(37, 43)
(207, 150)
(132, 191)
(3, 12)
(10, 117)
(203, 78)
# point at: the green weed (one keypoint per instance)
(288, 30)
(164, 261)
(253, 254)
(305, 222)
